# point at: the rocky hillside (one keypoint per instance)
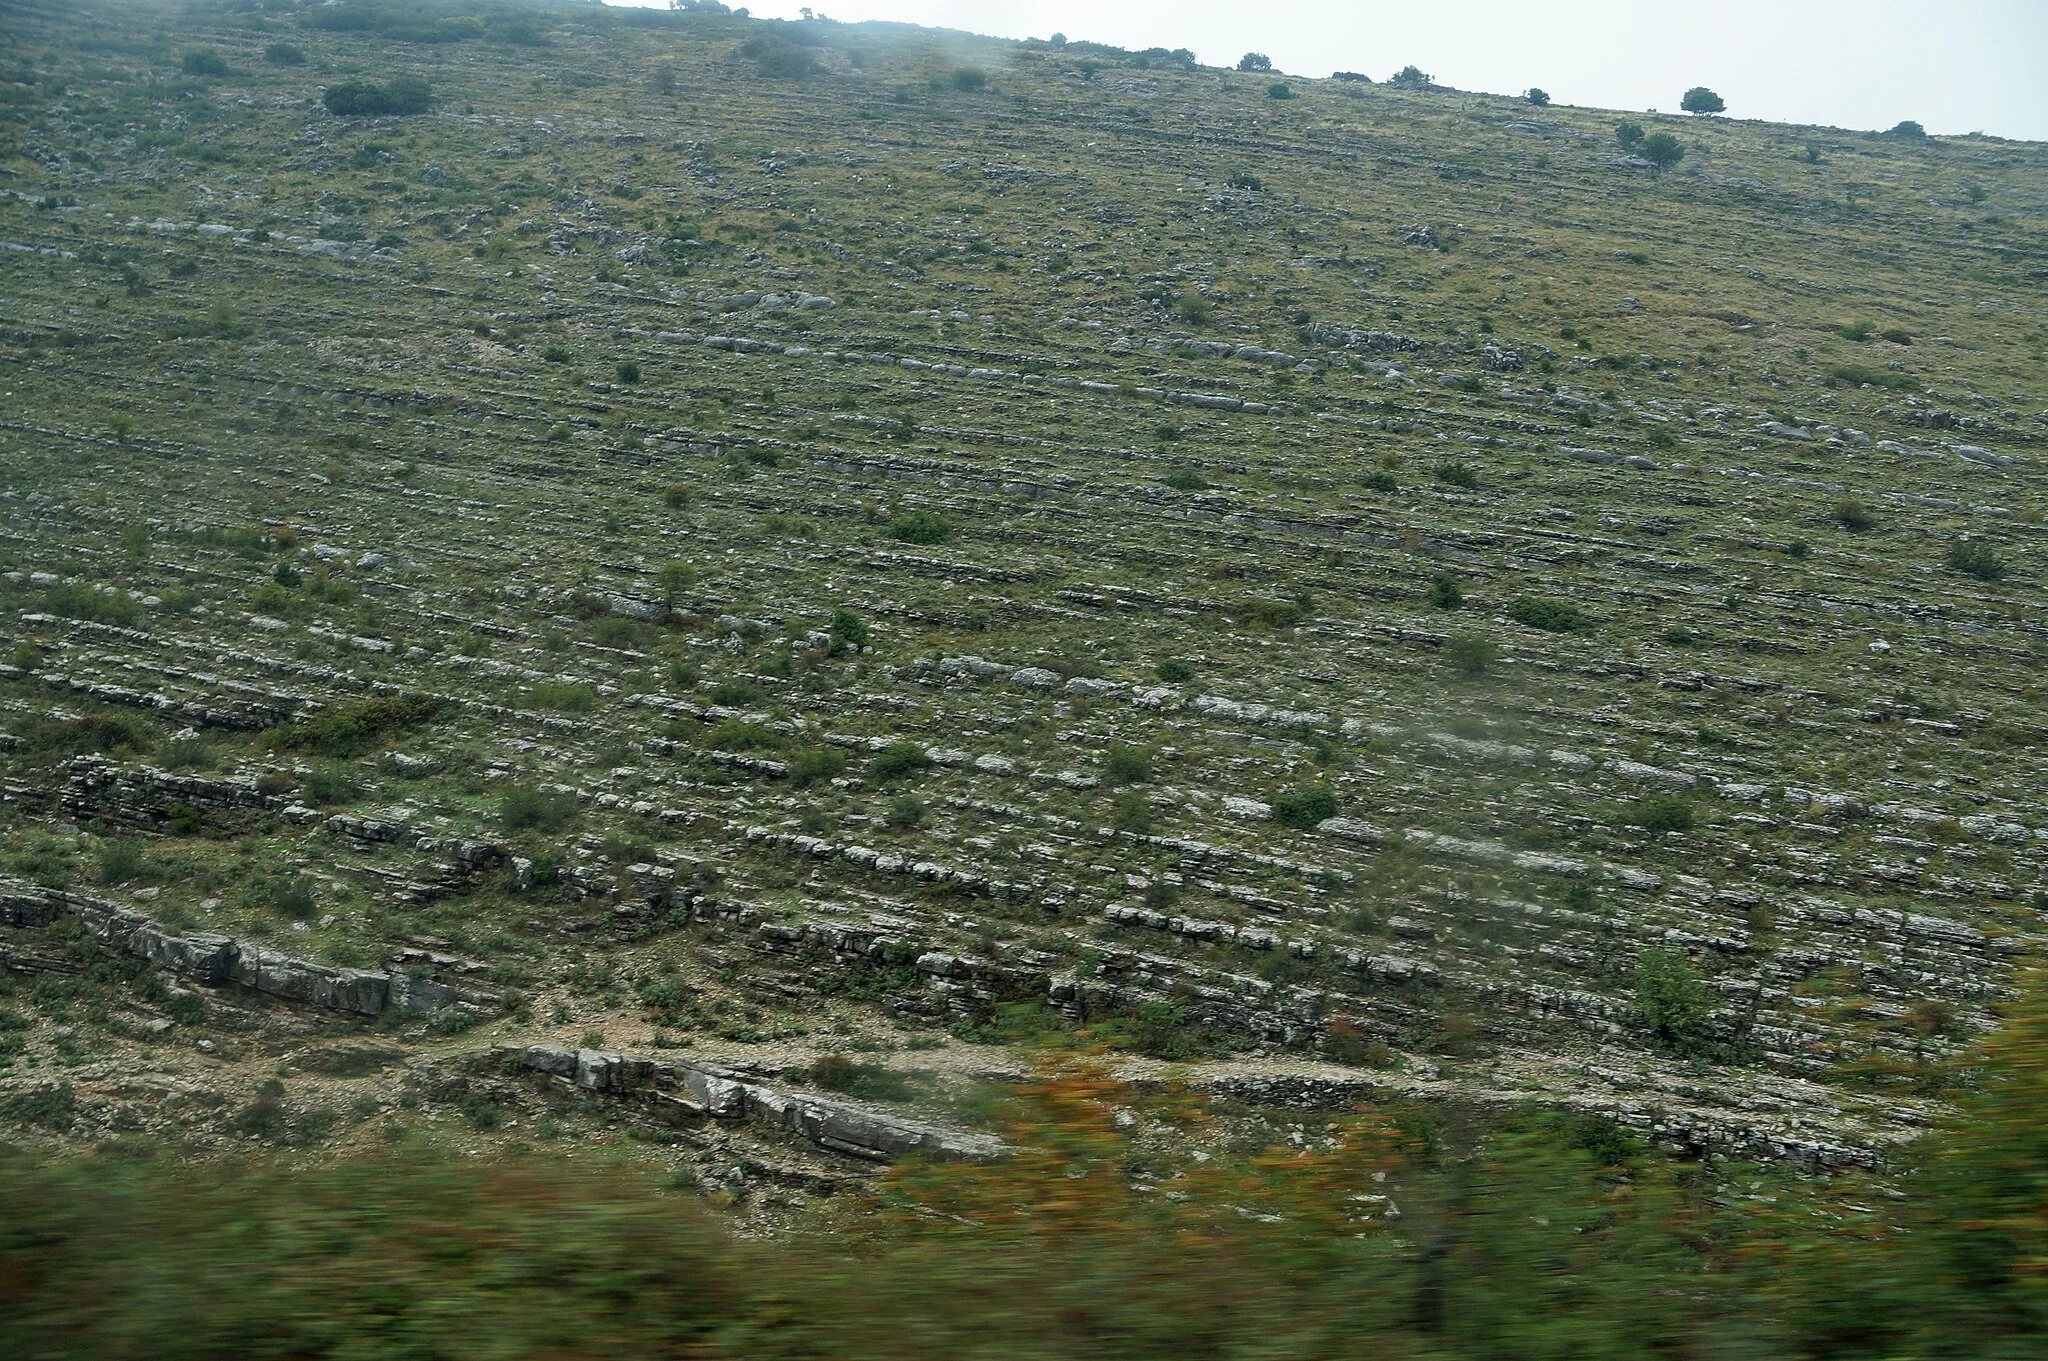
(727, 545)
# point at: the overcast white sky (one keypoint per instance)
(1960, 66)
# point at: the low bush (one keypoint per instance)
(401, 96)
(54, 739)
(1305, 808)
(566, 697)
(1470, 656)
(524, 809)
(920, 527)
(1662, 813)
(815, 765)
(1975, 559)
(774, 55)
(1132, 814)
(736, 734)
(359, 727)
(1127, 765)
(1671, 998)
(849, 631)
(75, 600)
(864, 1080)
(1550, 615)
(1862, 375)
(897, 760)
(1277, 614)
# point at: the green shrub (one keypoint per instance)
(1277, 614)
(1186, 479)
(904, 814)
(1699, 99)
(204, 62)
(120, 861)
(1161, 1030)
(897, 760)
(52, 739)
(1279, 89)
(1379, 480)
(330, 784)
(1127, 765)
(1132, 814)
(1852, 513)
(970, 80)
(524, 809)
(921, 527)
(1469, 655)
(360, 726)
(1662, 813)
(1174, 672)
(1671, 998)
(76, 600)
(863, 1080)
(293, 899)
(1906, 130)
(401, 96)
(1444, 593)
(1662, 150)
(1454, 474)
(736, 734)
(1857, 330)
(1305, 808)
(568, 697)
(54, 1107)
(1629, 135)
(849, 631)
(814, 765)
(1550, 615)
(284, 54)
(777, 56)
(1896, 336)
(1977, 559)
(628, 372)
(735, 693)
(1861, 375)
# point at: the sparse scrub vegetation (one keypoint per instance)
(740, 543)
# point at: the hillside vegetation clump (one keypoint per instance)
(368, 99)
